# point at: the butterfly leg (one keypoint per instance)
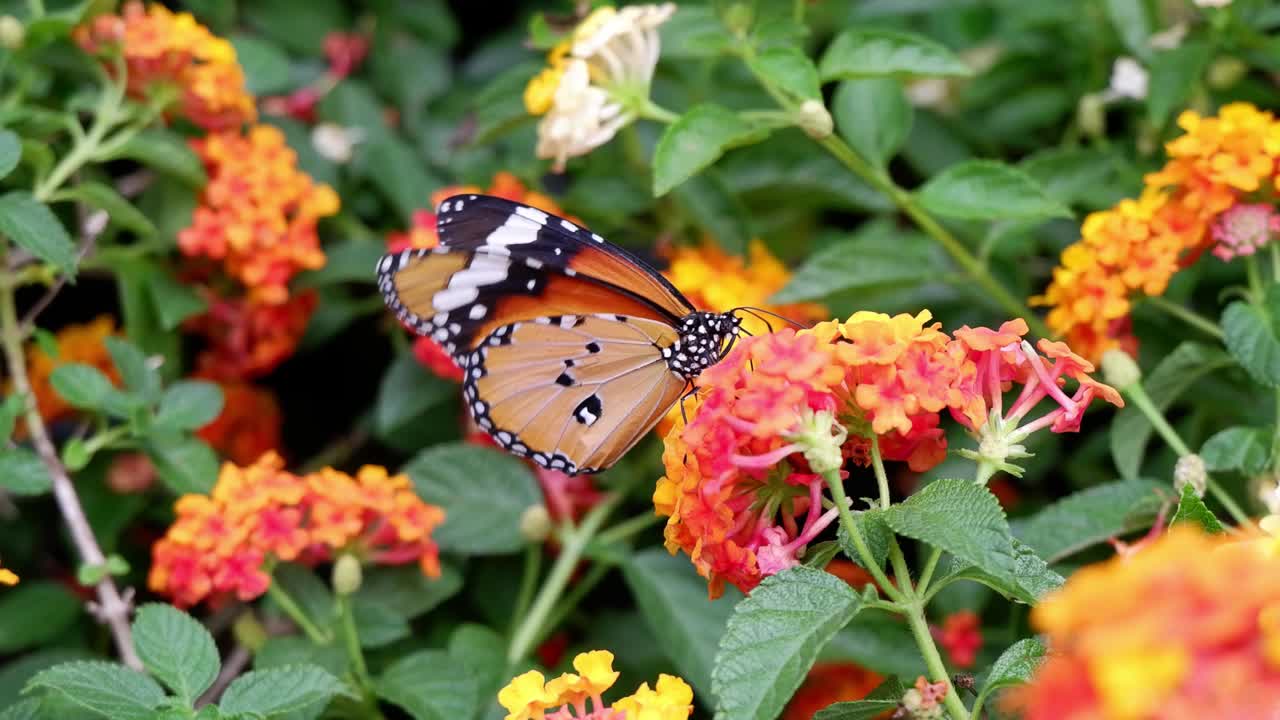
(693, 390)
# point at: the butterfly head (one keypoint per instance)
(704, 339)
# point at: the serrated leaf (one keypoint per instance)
(875, 532)
(32, 226)
(873, 116)
(672, 597)
(790, 70)
(176, 649)
(51, 602)
(773, 638)
(696, 140)
(1027, 581)
(165, 152)
(174, 302)
(118, 209)
(1090, 516)
(884, 698)
(136, 372)
(484, 653)
(1174, 73)
(22, 472)
(1015, 665)
(1179, 370)
(882, 256)
(873, 52)
(189, 405)
(429, 685)
(988, 190)
(10, 152)
(103, 687)
(280, 690)
(483, 492)
(1242, 449)
(185, 464)
(1251, 338)
(961, 518)
(378, 624)
(1191, 509)
(83, 386)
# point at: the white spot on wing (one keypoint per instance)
(484, 270)
(532, 283)
(452, 298)
(477, 311)
(568, 226)
(533, 214)
(597, 238)
(517, 230)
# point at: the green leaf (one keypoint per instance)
(107, 688)
(135, 371)
(878, 641)
(285, 650)
(347, 261)
(484, 493)
(429, 685)
(185, 464)
(398, 171)
(789, 70)
(873, 115)
(1132, 24)
(10, 409)
(707, 201)
(32, 226)
(311, 594)
(280, 690)
(1015, 665)
(1179, 370)
(884, 699)
(772, 639)
(18, 670)
(118, 209)
(988, 190)
(83, 386)
(1174, 74)
(406, 590)
(1242, 449)
(378, 624)
(694, 31)
(28, 709)
(10, 151)
(875, 532)
(961, 518)
(484, 653)
(874, 52)
(51, 602)
(1074, 175)
(22, 472)
(1251, 337)
(820, 554)
(165, 152)
(696, 140)
(176, 649)
(174, 301)
(298, 25)
(407, 392)
(673, 600)
(189, 405)
(1090, 516)
(266, 66)
(879, 256)
(1191, 509)
(1027, 581)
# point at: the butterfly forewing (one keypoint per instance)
(572, 392)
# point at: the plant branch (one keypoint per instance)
(295, 612)
(113, 608)
(1186, 315)
(836, 485)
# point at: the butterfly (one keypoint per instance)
(572, 348)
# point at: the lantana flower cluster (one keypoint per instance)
(165, 51)
(743, 490)
(1186, 627)
(8, 577)
(1217, 191)
(578, 695)
(223, 544)
(596, 80)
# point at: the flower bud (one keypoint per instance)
(1091, 115)
(1225, 72)
(1190, 470)
(814, 119)
(535, 523)
(820, 438)
(1120, 370)
(12, 32)
(347, 574)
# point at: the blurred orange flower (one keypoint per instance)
(77, 343)
(248, 339)
(8, 577)
(164, 49)
(830, 682)
(1188, 627)
(220, 543)
(248, 426)
(258, 213)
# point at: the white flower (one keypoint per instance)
(928, 92)
(622, 46)
(1211, 3)
(582, 117)
(1169, 38)
(1128, 80)
(334, 142)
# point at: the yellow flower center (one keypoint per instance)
(1135, 683)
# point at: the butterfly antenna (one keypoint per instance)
(757, 311)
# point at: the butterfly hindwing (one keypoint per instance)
(572, 392)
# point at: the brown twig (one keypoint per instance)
(232, 666)
(92, 226)
(112, 608)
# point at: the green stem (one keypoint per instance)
(572, 598)
(882, 479)
(528, 581)
(836, 485)
(105, 117)
(359, 668)
(1256, 290)
(573, 542)
(653, 111)
(933, 660)
(1186, 315)
(1275, 263)
(1137, 394)
(926, 575)
(295, 612)
(629, 527)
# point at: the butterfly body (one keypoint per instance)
(572, 348)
